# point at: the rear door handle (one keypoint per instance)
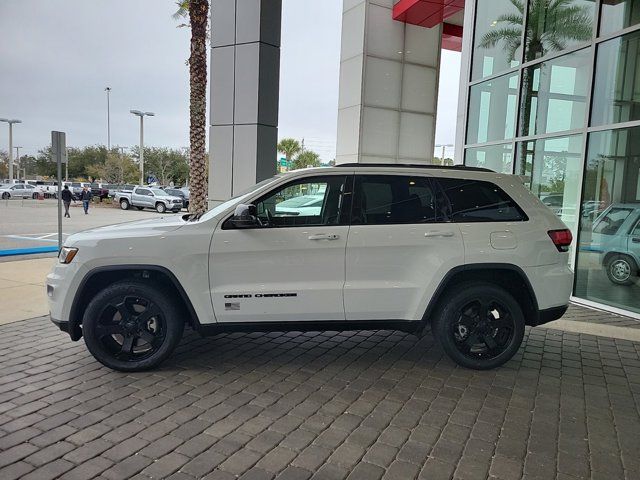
(324, 236)
(436, 234)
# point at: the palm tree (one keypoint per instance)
(290, 147)
(552, 26)
(198, 13)
(562, 23)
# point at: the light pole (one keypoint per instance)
(10, 122)
(18, 162)
(443, 148)
(108, 90)
(142, 115)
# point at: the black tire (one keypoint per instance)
(5, 196)
(480, 326)
(124, 204)
(621, 270)
(161, 207)
(140, 208)
(132, 326)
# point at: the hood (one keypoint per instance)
(138, 228)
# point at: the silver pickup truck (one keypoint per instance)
(148, 197)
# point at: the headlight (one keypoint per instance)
(67, 254)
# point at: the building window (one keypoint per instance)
(553, 26)
(552, 168)
(616, 81)
(498, 37)
(498, 158)
(492, 110)
(609, 241)
(554, 94)
(618, 15)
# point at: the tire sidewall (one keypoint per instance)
(632, 268)
(161, 207)
(173, 323)
(448, 314)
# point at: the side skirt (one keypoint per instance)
(407, 326)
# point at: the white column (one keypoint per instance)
(245, 78)
(388, 86)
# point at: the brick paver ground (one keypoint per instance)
(357, 405)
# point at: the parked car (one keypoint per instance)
(467, 253)
(177, 192)
(18, 190)
(76, 188)
(99, 191)
(148, 197)
(616, 236)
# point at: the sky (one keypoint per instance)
(56, 58)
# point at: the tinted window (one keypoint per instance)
(143, 191)
(476, 201)
(390, 199)
(308, 202)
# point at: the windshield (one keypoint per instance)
(238, 198)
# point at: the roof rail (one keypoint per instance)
(415, 165)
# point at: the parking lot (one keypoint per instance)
(322, 405)
(34, 223)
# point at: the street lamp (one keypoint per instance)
(108, 90)
(443, 148)
(10, 122)
(142, 115)
(18, 162)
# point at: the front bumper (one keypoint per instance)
(61, 324)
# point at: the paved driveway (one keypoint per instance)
(319, 405)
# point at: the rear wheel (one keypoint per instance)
(124, 204)
(621, 269)
(479, 326)
(160, 207)
(5, 196)
(132, 326)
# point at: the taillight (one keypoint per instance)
(561, 239)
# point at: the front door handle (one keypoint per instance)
(324, 236)
(636, 240)
(436, 233)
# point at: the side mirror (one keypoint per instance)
(245, 216)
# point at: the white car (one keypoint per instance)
(18, 190)
(470, 253)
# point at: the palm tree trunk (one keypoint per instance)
(198, 17)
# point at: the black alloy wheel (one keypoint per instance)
(480, 326)
(132, 326)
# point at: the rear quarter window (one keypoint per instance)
(467, 200)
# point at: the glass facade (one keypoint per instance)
(497, 40)
(564, 113)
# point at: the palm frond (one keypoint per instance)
(511, 18)
(491, 39)
(183, 10)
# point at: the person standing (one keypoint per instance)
(85, 196)
(66, 200)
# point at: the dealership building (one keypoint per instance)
(549, 90)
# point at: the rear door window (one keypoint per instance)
(392, 199)
(464, 200)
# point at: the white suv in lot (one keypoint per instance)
(470, 253)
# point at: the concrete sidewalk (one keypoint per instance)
(22, 291)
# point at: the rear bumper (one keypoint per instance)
(550, 314)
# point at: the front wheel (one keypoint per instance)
(5, 196)
(124, 204)
(160, 207)
(479, 326)
(621, 269)
(132, 326)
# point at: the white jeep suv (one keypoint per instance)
(469, 252)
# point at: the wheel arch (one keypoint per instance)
(615, 253)
(508, 276)
(101, 277)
